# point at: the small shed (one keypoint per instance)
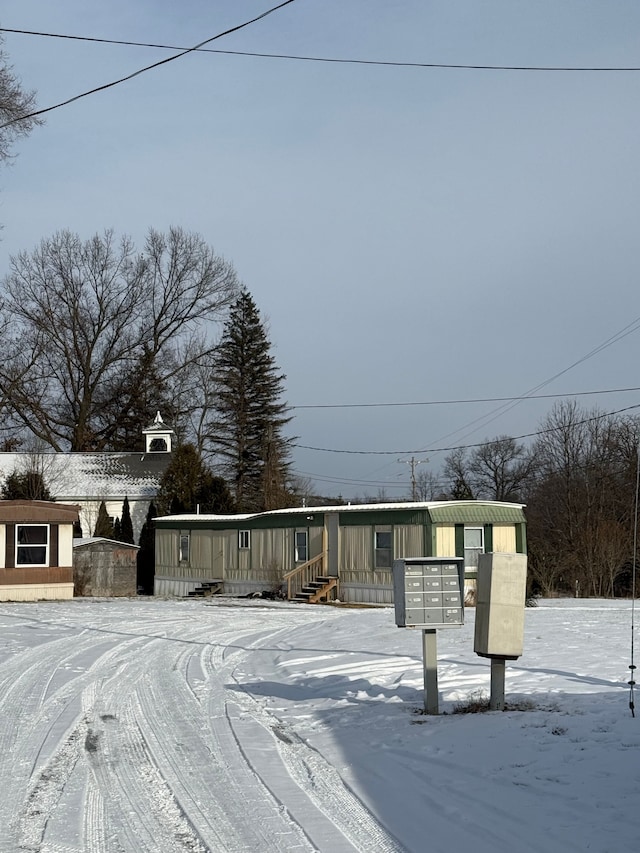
(103, 567)
(36, 552)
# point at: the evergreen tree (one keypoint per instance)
(188, 485)
(104, 525)
(146, 557)
(126, 525)
(30, 486)
(77, 530)
(245, 432)
(117, 530)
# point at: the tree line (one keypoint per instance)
(578, 482)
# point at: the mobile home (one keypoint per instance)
(353, 547)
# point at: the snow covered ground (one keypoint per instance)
(150, 725)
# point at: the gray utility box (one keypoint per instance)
(501, 594)
(428, 592)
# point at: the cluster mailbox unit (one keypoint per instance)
(428, 592)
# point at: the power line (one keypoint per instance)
(488, 418)
(183, 52)
(454, 402)
(460, 446)
(329, 59)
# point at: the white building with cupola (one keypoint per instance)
(87, 479)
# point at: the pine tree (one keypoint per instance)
(146, 557)
(30, 486)
(104, 525)
(188, 485)
(126, 525)
(245, 432)
(117, 530)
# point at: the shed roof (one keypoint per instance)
(81, 542)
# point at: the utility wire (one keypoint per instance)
(333, 59)
(454, 402)
(485, 420)
(183, 52)
(460, 446)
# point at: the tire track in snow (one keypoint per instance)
(195, 763)
(296, 775)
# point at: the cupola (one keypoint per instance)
(158, 436)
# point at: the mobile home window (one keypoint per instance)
(32, 544)
(473, 546)
(301, 546)
(383, 549)
(244, 539)
(184, 547)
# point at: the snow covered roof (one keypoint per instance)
(92, 540)
(81, 476)
(310, 510)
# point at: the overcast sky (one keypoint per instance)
(411, 234)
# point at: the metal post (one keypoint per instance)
(430, 665)
(496, 700)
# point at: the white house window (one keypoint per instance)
(184, 547)
(32, 544)
(301, 546)
(383, 549)
(473, 546)
(244, 539)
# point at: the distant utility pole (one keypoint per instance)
(414, 463)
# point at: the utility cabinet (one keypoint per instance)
(500, 604)
(428, 592)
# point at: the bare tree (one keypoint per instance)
(501, 469)
(456, 472)
(498, 470)
(101, 334)
(428, 487)
(15, 105)
(580, 509)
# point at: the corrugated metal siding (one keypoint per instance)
(365, 594)
(167, 548)
(504, 538)
(480, 513)
(272, 549)
(316, 541)
(356, 550)
(408, 541)
(201, 550)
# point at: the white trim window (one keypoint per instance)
(185, 543)
(302, 546)
(32, 545)
(473, 546)
(244, 540)
(383, 548)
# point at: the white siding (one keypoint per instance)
(36, 592)
(504, 538)
(65, 545)
(445, 540)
